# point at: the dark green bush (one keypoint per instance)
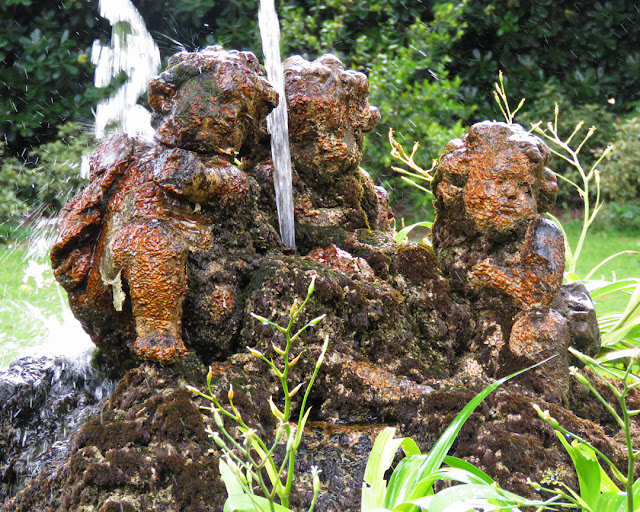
(404, 48)
(591, 49)
(417, 98)
(49, 178)
(620, 173)
(543, 109)
(45, 68)
(619, 216)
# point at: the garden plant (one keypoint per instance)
(251, 461)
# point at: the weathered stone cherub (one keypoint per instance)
(504, 260)
(124, 241)
(329, 115)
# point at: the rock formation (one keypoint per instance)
(505, 262)
(174, 242)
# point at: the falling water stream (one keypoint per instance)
(67, 370)
(47, 326)
(277, 121)
(56, 393)
(133, 51)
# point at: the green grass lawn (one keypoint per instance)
(28, 312)
(598, 246)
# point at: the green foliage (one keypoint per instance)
(518, 37)
(415, 94)
(543, 108)
(410, 487)
(619, 329)
(46, 68)
(619, 216)
(354, 31)
(598, 492)
(14, 178)
(48, 179)
(251, 463)
(403, 46)
(193, 24)
(621, 173)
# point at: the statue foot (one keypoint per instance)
(159, 346)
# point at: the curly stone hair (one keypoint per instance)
(211, 100)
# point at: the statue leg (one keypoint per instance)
(535, 336)
(153, 259)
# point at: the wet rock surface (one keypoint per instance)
(505, 262)
(44, 403)
(174, 243)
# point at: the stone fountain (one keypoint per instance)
(174, 242)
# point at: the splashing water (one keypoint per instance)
(39, 321)
(133, 51)
(277, 121)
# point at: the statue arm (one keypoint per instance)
(534, 275)
(197, 179)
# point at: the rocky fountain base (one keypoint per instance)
(173, 243)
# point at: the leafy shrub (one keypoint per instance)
(518, 38)
(620, 176)
(416, 97)
(57, 168)
(45, 69)
(14, 177)
(619, 216)
(47, 180)
(404, 49)
(543, 109)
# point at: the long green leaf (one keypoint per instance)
(611, 502)
(404, 232)
(455, 462)
(400, 490)
(380, 459)
(469, 497)
(588, 470)
(242, 503)
(600, 288)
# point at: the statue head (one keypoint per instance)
(329, 113)
(496, 175)
(211, 101)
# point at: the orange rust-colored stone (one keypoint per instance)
(533, 275)
(124, 240)
(504, 261)
(329, 115)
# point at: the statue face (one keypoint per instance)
(207, 119)
(502, 192)
(213, 101)
(328, 114)
(497, 172)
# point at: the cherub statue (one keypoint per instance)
(125, 239)
(329, 115)
(504, 260)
